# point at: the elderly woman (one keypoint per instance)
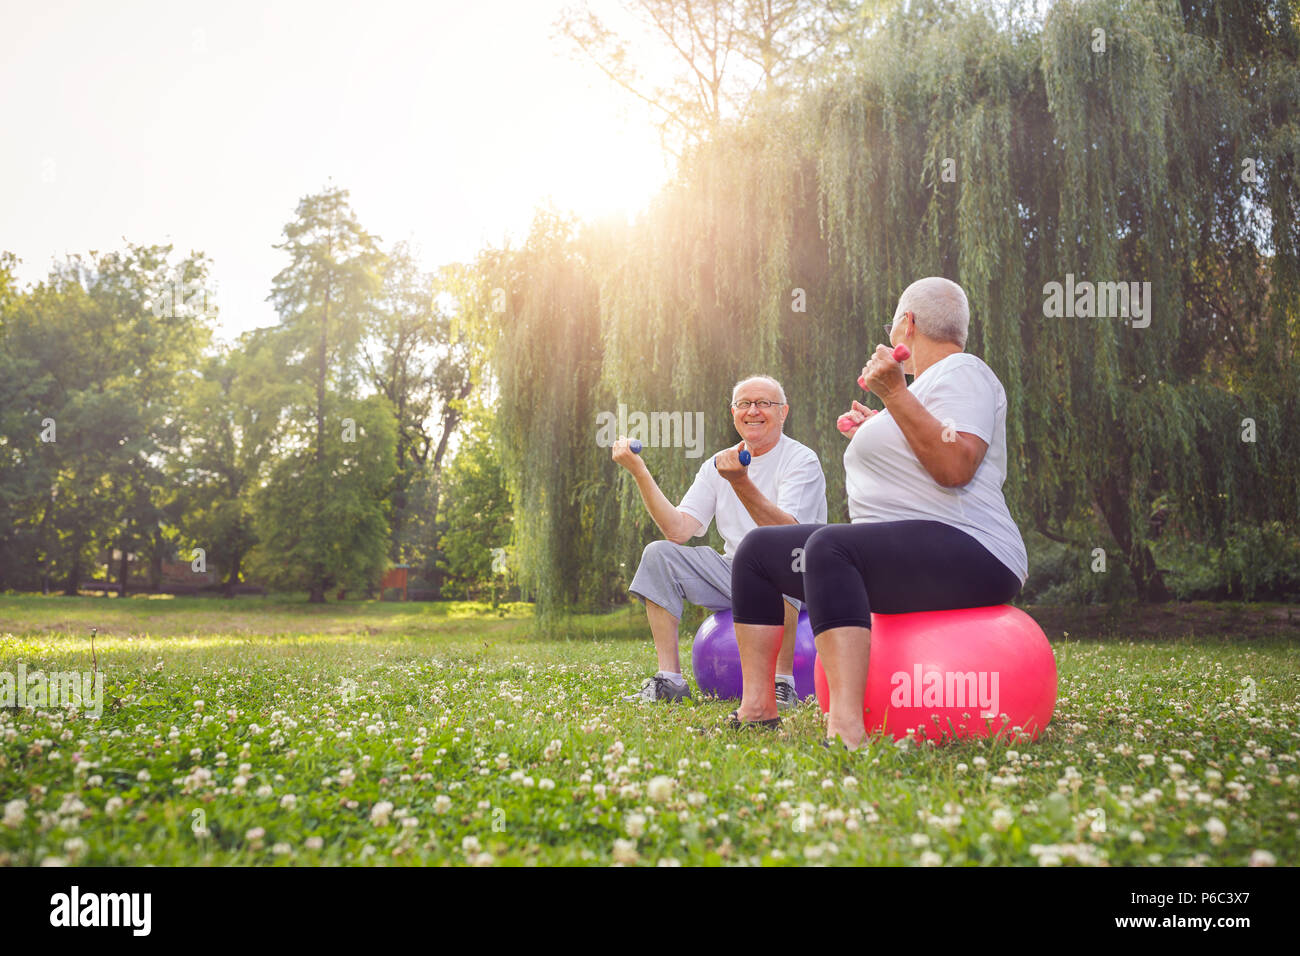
(930, 528)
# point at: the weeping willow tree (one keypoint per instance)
(1114, 141)
(533, 315)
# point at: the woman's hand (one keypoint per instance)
(853, 419)
(883, 375)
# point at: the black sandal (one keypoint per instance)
(735, 723)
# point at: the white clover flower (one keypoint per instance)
(288, 801)
(264, 790)
(380, 812)
(15, 811)
(442, 804)
(1137, 836)
(850, 783)
(930, 858)
(143, 776)
(625, 851)
(1262, 858)
(919, 840)
(314, 843)
(660, 788)
(470, 845)
(635, 824)
(254, 836)
(1002, 819)
(546, 783)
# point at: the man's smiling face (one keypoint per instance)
(759, 427)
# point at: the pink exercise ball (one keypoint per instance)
(972, 672)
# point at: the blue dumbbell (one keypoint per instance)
(745, 458)
(635, 446)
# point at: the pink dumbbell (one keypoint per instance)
(901, 354)
(845, 422)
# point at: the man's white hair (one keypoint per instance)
(940, 307)
(765, 379)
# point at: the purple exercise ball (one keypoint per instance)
(715, 656)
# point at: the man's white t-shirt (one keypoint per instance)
(788, 474)
(885, 480)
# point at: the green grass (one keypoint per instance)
(489, 744)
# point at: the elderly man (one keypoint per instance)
(930, 527)
(783, 485)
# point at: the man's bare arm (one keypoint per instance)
(676, 526)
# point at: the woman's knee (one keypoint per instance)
(829, 547)
(757, 547)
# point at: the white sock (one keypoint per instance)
(675, 678)
(786, 678)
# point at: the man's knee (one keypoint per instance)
(659, 554)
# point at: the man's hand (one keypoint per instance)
(728, 464)
(623, 455)
(853, 419)
(884, 374)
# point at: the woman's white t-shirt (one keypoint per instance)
(885, 480)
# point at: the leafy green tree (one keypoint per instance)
(476, 507)
(1109, 141)
(323, 498)
(411, 360)
(104, 342)
(228, 429)
(321, 521)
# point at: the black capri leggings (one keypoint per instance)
(846, 571)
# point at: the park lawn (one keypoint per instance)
(268, 731)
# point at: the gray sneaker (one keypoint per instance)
(661, 688)
(786, 696)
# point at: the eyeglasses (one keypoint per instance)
(762, 404)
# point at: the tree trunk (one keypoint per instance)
(1112, 498)
(123, 571)
(73, 583)
(155, 561)
(228, 587)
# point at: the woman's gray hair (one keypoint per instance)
(766, 379)
(941, 310)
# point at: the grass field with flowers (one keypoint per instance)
(273, 732)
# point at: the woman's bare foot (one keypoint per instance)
(851, 737)
(757, 711)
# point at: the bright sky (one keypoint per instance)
(202, 125)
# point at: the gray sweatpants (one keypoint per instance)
(670, 574)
